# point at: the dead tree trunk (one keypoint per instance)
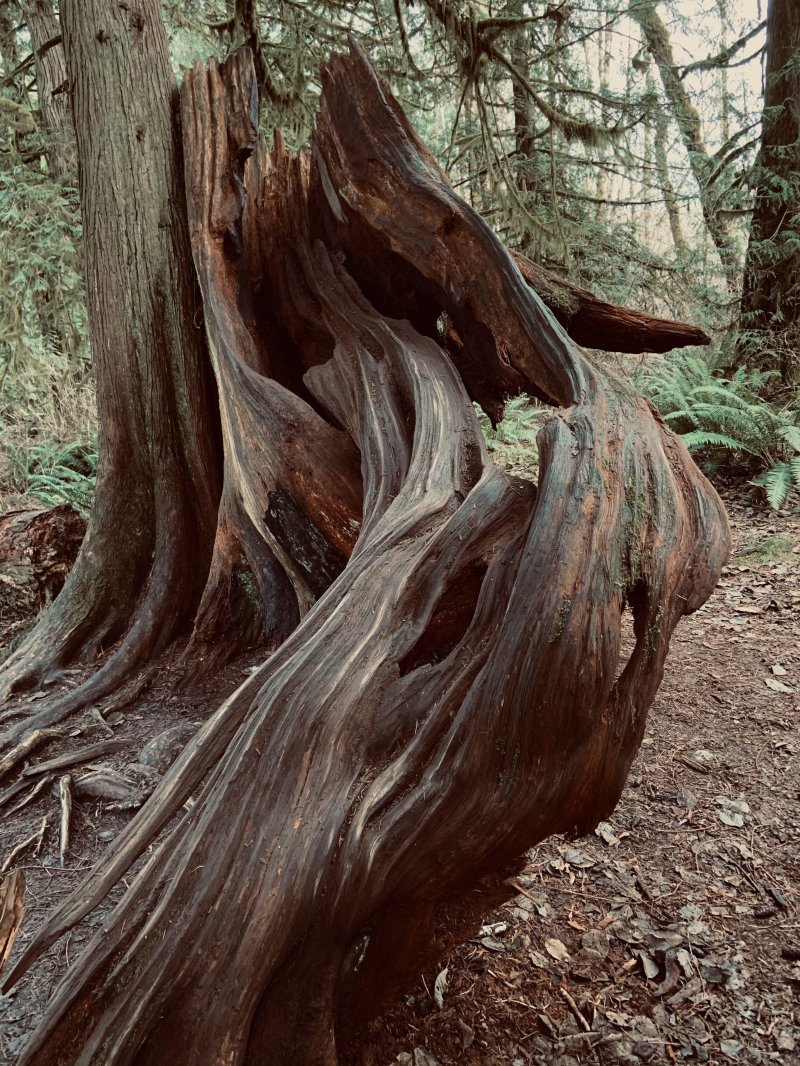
(37, 551)
(456, 691)
(164, 555)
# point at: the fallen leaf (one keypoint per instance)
(731, 818)
(784, 1041)
(776, 686)
(556, 949)
(731, 1048)
(422, 1058)
(439, 988)
(467, 1034)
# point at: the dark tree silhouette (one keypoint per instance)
(770, 320)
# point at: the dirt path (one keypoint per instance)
(671, 935)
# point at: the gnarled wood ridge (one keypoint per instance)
(447, 687)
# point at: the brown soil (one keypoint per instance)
(670, 935)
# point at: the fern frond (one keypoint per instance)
(702, 439)
(777, 483)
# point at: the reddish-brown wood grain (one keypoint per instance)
(447, 686)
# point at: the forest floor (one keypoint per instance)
(670, 935)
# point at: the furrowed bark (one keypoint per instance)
(51, 77)
(164, 554)
(456, 692)
(770, 310)
(687, 119)
(290, 512)
(144, 562)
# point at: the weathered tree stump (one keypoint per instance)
(447, 686)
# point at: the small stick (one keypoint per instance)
(33, 741)
(34, 838)
(41, 784)
(522, 891)
(37, 850)
(573, 1006)
(12, 911)
(65, 795)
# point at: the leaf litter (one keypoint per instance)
(669, 935)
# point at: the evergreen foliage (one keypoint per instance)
(727, 424)
(555, 121)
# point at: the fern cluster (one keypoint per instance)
(512, 444)
(726, 423)
(51, 475)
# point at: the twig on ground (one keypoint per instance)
(35, 838)
(33, 741)
(573, 1006)
(72, 758)
(40, 785)
(65, 796)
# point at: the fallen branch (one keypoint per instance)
(65, 798)
(38, 788)
(597, 323)
(18, 754)
(72, 758)
(35, 838)
(12, 912)
(13, 791)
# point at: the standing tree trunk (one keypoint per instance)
(51, 78)
(143, 565)
(770, 319)
(664, 180)
(52, 95)
(457, 691)
(164, 552)
(687, 120)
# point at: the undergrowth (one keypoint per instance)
(512, 444)
(47, 408)
(726, 424)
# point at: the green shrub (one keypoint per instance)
(512, 445)
(50, 475)
(727, 424)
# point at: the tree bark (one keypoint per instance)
(687, 119)
(457, 691)
(664, 180)
(51, 77)
(164, 554)
(143, 565)
(770, 313)
(609, 327)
